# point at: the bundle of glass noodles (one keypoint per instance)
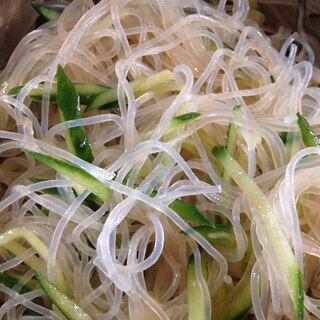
(159, 160)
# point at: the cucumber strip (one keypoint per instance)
(17, 249)
(232, 136)
(7, 240)
(218, 234)
(283, 136)
(226, 46)
(292, 143)
(67, 306)
(69, 106)
(186, 117)
(309, 137)
(233, 131)
(99, 96)
(91, 201)
(10, 281)
(139, 87)
(46, 12)
(52, 191)
(82, 179)
(238, 301)
(189, 212)
(106, 100)
(86, 91)
(29, 236)
(287, 264)
(182, 120)
(196, 304)
(15, 90)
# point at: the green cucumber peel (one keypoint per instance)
(309, 137)
(283, 136)
(183, 119)
(86, 91)
(13, 281)
(287, 264)
(82, 179)
(91, 201)
(226, 46)
(46, 12)
(162, 81)
(51, 191)
(66, 305)
(233, 130)
(189, 212)
(292, 143)
(196, 303)
(232, 136)
(186, 117)
(218, 234)
(69, 107)
(15, 90)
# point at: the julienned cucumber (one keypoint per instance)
(309, 137)
(231, 146)
(218, 234)
(90, 201)
(189, 212)
(99, 96)
(13, 281)
(8, 240)
(185, 118)
(156, 82)
(233, 130)
(77, 139)
(86, 91)
(82, 179)
(196, 303)
(287, 264)
(46, 12)
(237, 302)
(67, 306)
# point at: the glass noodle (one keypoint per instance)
(128, 256)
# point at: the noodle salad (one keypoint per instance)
(159, 159)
